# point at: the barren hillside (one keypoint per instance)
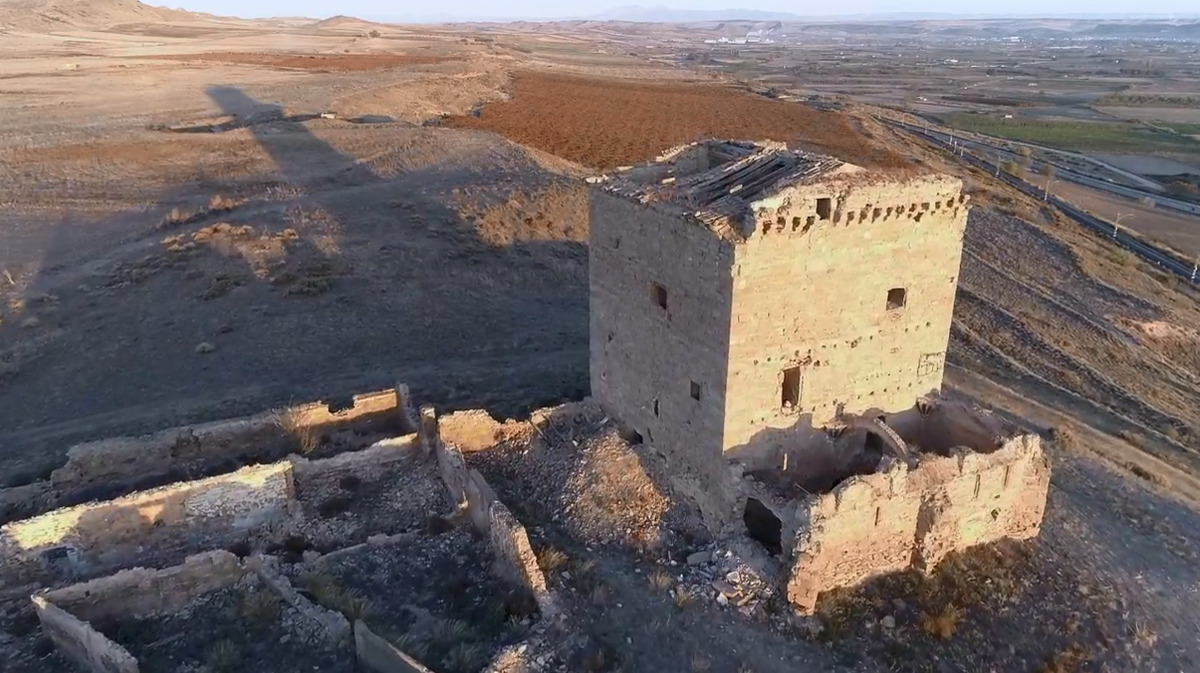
(57, 15)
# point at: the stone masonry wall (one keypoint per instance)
(206, 444)
(812, 294)
(888, 521)
(181, 517)
(866, 527)
(649, 364)
(78, 641)
(973, 498)
(144, 592)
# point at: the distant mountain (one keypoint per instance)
(40, 16)
(668, 15)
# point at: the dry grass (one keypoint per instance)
(291, 424)
(661, 580)
(331, 595)
(552, 560)
(225, 655)
(260, 609)
(943, 623)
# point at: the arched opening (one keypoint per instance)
(763, 526)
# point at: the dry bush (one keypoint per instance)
(1067, 661)
(331, 595)
(260, 609)
(290, 423)
(661, 580)
(683, 599)
(941, 624)
(552, 560)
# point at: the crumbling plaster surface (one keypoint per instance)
(148, 592)
(899, 518)
(184, 516)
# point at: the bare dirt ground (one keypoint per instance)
(150, 277)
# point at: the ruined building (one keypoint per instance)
(790, 313)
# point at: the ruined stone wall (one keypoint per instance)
(368, 465)
(380, 656)
(865, 527)
(264, 437)
(79, 642)
(649, 364)
(515, 560)
(812, 293)
(888, 521)
(973, 498)
(145, 592)
(178, 518)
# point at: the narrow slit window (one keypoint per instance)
(656, 408)
(695, 390)
(824, 208)
(790, 396)
(896, 298)
(660, 296)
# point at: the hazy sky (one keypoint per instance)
(558, 8)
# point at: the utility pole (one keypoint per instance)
(1046, 191)
(1117, 224)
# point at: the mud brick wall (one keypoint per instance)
(811, 292)
(142, 592)
(649, 364)
(865, 527)
(261, 436)
(184, 517)
(79, 642)
(973, 498)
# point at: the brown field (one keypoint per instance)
(607, 123)
(311, 62)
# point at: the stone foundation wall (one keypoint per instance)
(895, 519)
(185, 517)
(377, 654)
(471, 494)
(258, 437)
(78, 641)
(368, 465)
(142, 592)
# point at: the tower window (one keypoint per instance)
(824, 208)
(660, 296)
(790, 397)
(896, 298)
(695, 390)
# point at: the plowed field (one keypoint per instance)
(607, 123)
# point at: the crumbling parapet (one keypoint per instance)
(899, 517)
(865, 527)
(974, 498)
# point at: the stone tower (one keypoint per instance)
(745, 296)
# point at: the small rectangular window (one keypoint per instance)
(695, 390)
(896, 298)
(660, 296)
(790, 398)
(824, 208)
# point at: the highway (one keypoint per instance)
(1157, 256)
(1061, 173)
